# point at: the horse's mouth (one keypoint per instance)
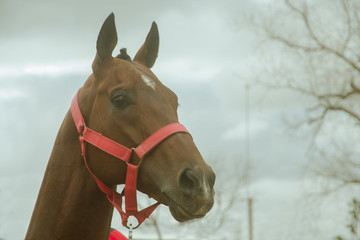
(179, 212)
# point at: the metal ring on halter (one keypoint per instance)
(132, 222)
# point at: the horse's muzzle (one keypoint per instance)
(197, 194)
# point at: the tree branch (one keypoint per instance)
(343, 109)
(348, 21)
(304, 16)
(291, 44)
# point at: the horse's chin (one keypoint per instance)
(182, 215)
(179, 212)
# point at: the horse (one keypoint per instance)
(124, 102)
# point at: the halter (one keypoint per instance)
(87, 135)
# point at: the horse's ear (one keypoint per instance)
(148, 52)
(107, 40)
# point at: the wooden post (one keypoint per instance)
(250, 202)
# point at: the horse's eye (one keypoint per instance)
(120, 99)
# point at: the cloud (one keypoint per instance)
(52, 69)
(187, 70)
(239, 131)
(8, 94)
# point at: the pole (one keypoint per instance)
(247, 152)
(250, 202)
(247, 132)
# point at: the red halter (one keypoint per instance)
(123, 153)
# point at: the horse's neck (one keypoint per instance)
(69, 204)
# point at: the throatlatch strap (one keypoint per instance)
(121, 152)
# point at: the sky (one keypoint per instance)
(207, 55)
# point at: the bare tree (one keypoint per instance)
(318, 57)
(354, 225)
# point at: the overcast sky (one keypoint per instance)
(207, 55)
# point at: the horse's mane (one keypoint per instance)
(123, 55)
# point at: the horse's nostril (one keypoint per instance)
(188, 181)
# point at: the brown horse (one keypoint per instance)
(123, 100)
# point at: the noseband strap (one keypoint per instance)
(87, 135)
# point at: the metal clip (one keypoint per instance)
(130, 231)
(131, 222)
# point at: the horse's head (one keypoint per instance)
(126, 102)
